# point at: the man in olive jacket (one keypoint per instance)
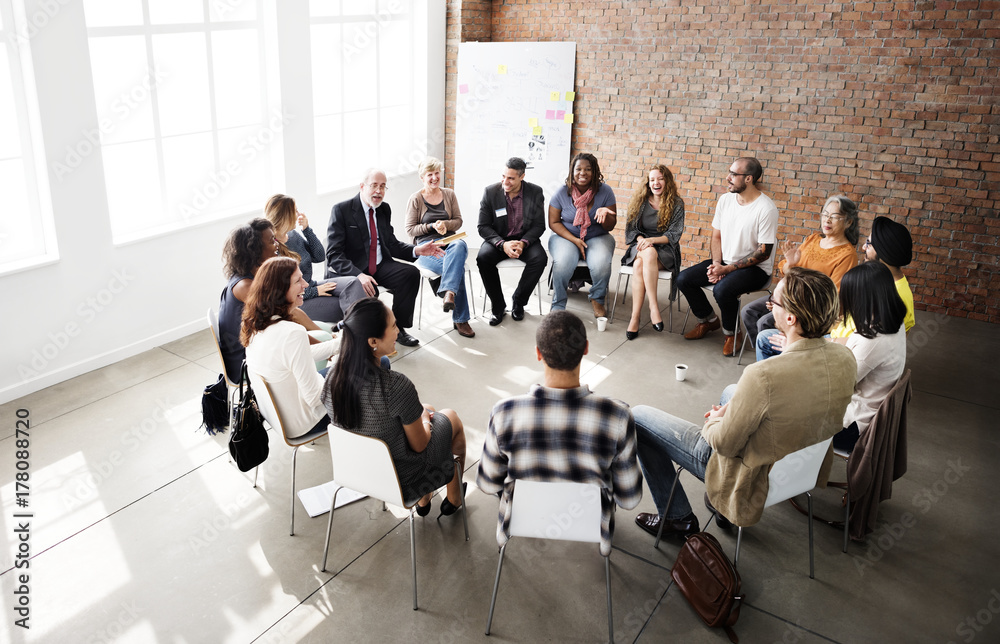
(511, 221)
(777, 407)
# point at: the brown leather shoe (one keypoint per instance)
(732, 341)
(449, 301)
(599, 310)
(672, 528)
(702, 328)
(464, 329)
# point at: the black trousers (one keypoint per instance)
(402, 279)
(534, 257)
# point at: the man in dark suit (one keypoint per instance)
(511, 221)
(360, 242)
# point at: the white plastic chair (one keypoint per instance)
(428, 274)
(510, 262)
(628, 272)
(364, 464)
(794, 474)
(272, 414)
(560, 510)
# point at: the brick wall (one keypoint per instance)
(891, 103)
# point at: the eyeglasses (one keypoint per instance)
(834, 218)
(377, 186)
(774, 302)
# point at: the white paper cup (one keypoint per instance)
(681, 371)
(602, 323)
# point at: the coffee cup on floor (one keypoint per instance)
(681, 372)
(602, 323)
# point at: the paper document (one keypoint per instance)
(316, 500)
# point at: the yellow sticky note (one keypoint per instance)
(554, 96)
(570, 96)
(533, 122)
(501, 69)
(537, 130)
(567, 118)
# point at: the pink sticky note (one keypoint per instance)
(560, 114)
(550, 114)
(463, 89)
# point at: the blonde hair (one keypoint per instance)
(430, 164)
(667, 201)
(282, 213)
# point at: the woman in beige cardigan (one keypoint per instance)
(432, 213)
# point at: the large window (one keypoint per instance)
(26, 231)
(190, 124)
(369, 87)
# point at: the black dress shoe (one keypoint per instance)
(497, 318)
(672, 528)
(658, 327)
(517, 312)
(631, 335)
(406, 339)
(721, 521)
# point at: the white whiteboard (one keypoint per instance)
(513, 99)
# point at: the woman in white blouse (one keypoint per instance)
(278, 349)
(869, 296)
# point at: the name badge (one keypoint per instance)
(501, 212)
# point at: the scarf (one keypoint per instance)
(582, 218)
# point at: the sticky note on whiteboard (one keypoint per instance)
(501, 69)
(532, 122)
(537, 130)
(463, 89)
(560, 115)
(568, 118)
(554, 96)
(550, 114)
(570, 96)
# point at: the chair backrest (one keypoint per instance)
(364, 465)
(213, 322)
(795, 473)
(556, 510)
(265, 402)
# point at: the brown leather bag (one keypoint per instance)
(709, 581)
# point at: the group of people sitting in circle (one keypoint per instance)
(826, 358)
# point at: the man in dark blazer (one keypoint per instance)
(351, 251)
(511, 221)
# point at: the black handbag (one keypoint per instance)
(248, 440)
(215, 407)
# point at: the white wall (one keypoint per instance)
(100, 303)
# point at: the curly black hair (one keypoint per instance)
(244, 248)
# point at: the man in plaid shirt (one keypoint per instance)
(561, 431)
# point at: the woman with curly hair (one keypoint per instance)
(582, 215)
(653, 228)
(278, 349)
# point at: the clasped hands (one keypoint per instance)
(513, 248)
(717, 271)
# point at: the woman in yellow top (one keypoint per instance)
(831, 252)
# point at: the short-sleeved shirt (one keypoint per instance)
(605, 198)
(744, 228)
(388, 401)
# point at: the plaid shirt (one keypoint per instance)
(562, 435)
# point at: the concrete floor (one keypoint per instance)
(143, 531)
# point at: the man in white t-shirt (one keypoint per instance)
(743, 237)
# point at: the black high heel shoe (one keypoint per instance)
(424, 510)
(631, 335)
(448, 508)
(658, 326)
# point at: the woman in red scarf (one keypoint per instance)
(582, 215)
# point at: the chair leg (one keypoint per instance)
(539, 298)
(291, 527)
(329, 528)
(611, 621)
(465, 516)
(670, 500)
(255, 470)
(496, 585)
(413, 559)
(847, 517)
(420, 305)
(470, 296)
(812, 573)
(739, 539)
(746, 336)
(618, 289)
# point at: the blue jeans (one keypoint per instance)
(565, 255)
(665, 441)
(451, 268)
(764, 348)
